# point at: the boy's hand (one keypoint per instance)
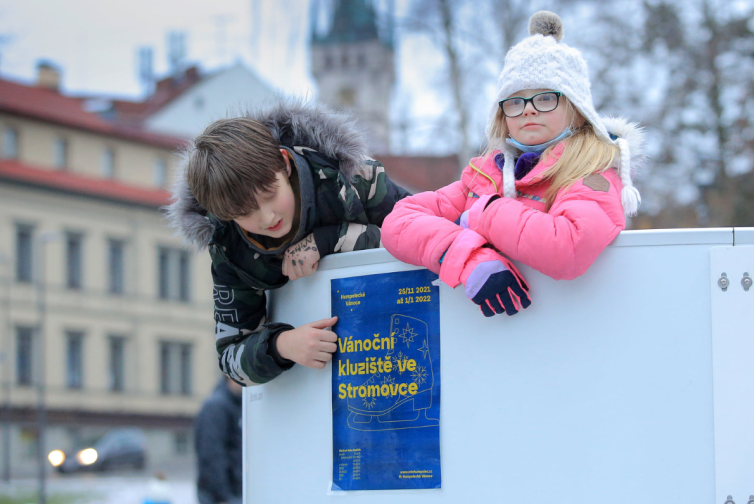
(310, 345)
(301, 259)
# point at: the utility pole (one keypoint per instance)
(221, 38)
(5, 360)
(42, 241)
(256, 26)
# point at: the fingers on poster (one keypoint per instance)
(386, 382)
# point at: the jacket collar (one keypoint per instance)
(485, 176)
(489, 178)
(535, 175)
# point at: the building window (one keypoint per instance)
(175, 368)
(74, 359)
(328, 62)
(73, 248)
(346, 97)
(117, 363)
(24, 234)
(29, 437)
(181, 443)
(361, 60)
(160, 172)
(61, 153)
(174, 267)
(115, 266)
(10, 143)
(184, 275)
(185, 369)
(108, 163)
(24, 353)
(344, 61)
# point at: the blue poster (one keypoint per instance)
(386, 382)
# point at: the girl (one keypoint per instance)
(550, 191)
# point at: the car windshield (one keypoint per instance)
(115, 439)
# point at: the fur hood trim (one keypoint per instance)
(633, 134)
(293, 123)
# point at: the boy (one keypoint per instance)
(269, 194)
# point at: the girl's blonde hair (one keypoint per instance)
(585, 153)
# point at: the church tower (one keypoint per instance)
(354, 68)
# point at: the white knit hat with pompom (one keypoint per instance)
(542, 61)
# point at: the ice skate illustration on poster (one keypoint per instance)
(386, 382)
(411, 363)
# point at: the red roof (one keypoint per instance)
(50, 106)
(166, 90)
(422, 173)
(15, 171)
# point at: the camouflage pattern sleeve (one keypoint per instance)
(242, 337)
(376, 191)
(346, 237)
(366, 199)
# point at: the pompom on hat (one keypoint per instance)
(542, 61)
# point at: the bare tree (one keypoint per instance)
(473, 38)
(704, 51)
(509, 17)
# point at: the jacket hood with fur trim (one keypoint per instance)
(292, 123)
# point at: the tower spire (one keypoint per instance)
(354, 67)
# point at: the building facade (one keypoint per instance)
(355, 70)
(99, 301)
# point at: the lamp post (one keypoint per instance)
(42, 240)
(4, 358)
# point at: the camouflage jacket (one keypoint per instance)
(344, 198)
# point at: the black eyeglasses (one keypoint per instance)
(542, 102)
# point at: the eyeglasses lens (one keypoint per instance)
(513, 106)
(546, 102)
(543, 102)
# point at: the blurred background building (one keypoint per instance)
(101, 302)
(99, 298)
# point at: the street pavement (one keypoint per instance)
(127, 487)
(99, 489)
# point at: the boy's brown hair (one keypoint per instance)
(230, 164)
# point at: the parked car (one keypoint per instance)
(117, 449)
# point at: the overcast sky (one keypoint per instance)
(96, 42)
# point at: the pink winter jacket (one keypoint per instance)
(561, 243)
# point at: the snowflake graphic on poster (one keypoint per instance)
(419, 375)
(408, 335)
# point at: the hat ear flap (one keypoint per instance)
(509, 176)
(630, 197)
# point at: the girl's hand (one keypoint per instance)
(301, 259)
(470, 218)
(463, 220)
(494, 284)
